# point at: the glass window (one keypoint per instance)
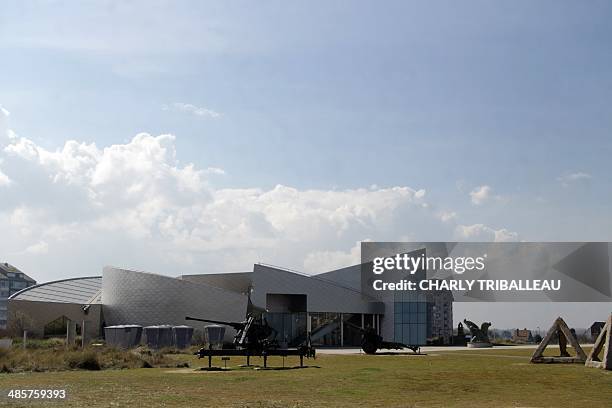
(398, 333)
(325, 329)
(18, 285)
(290, 328)
(422, 318)
(422, 331)
(410, 321)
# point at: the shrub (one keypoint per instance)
(87, 360)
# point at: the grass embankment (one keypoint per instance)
(498, 378)
(41, 357)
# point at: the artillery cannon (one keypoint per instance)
(372, 341)
(254, 337)
(251, 334)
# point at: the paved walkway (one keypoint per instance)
(431, 349)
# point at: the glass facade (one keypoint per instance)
(410, 318)
(325, 329)
(350, 334)
(290, 327)
(58, 327)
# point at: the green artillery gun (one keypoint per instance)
(254, 337)
(253, 334)
(372, 341)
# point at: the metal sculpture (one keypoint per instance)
(479, 334)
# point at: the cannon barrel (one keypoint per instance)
(235, 325)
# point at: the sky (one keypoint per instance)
(191, 137)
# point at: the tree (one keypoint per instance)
(17, 322)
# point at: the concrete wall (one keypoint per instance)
(323, 295)
(236, 281)
(131, 297)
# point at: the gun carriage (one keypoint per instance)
(372, 341)
(254, 337)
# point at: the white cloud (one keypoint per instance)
(322, 261)
(575, 177)
(38, 248)
(73, 163)
(189, 108)
(215, 170)
(144, 168)
(481, 232)
(446, 216)
(480, 194)
(138, 193)
(4, 179)
(4, 131)
(136, 205)
(4, 138)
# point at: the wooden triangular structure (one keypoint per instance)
(604, 341)
(565, 336)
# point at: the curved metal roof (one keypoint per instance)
(82, 291)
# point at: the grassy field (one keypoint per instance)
(487, 378)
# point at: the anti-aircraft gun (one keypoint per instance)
(252, 334)
(254, 337)
(372, 341)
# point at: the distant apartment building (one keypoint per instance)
(440, 317)
(12, 280)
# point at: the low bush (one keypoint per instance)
(87, 360)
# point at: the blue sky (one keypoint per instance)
(319, 97)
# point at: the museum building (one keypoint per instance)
(329, 306)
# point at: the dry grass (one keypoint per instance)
(499, 378)
(58, 358)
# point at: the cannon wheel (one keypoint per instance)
(369, 348)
